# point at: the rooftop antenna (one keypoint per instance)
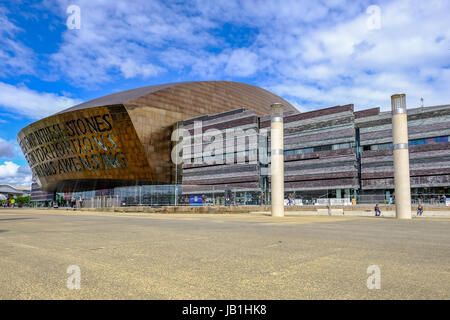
(421, 103)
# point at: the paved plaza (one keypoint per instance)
(221, 256)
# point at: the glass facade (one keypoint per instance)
(153, 195)
(146, 195)
(416, 142)
(235, 198)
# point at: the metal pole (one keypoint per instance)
(401, 157)
(277, 160)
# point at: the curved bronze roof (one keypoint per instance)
(180, 95)
(120, 97)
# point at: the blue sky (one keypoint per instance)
(315, 54)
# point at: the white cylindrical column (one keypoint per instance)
(401, 157)
(277, 160)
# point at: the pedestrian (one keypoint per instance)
(377, 210)
(419, 210)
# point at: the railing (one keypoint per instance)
(334, 202)
(100, 202)
(177, 195)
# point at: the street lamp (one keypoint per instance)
(277, 160)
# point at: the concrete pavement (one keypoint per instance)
(233, 256)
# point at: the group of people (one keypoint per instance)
(10, 203)
(73, 202)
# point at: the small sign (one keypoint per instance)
(447, 202)
(195, 200)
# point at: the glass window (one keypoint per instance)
(441, 139)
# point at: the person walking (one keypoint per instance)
(203, 200)
(377, 210)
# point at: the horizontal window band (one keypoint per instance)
(277, 119)
(400, 146)
(398, 111)
(277, 151)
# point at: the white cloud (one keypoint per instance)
(8, 169)
(242, 63)
(347, 63)
(15, 58)
(234, 63)
(33, 104)
(7, 149)
(121, 39)
(131, 69)
(13, 174)
(315, 53)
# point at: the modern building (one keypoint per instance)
(193, 142)
(41, 198)
(8, 191)
(429, 152)
(124, 139)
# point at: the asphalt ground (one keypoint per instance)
(233, 256)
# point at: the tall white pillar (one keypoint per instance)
(277, 160)
(401, 157)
